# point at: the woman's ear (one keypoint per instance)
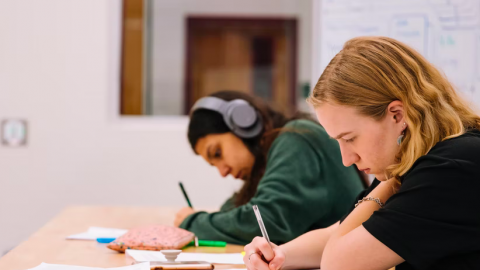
(396, 112)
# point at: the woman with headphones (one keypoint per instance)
(396, 116)
(290, 167)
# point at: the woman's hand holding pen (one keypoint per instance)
(184, 212)
(259, 255)
(182, 215)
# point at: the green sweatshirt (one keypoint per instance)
(305, 187)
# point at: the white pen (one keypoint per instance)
(261, 225)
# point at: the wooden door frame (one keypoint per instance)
(202, 21)
(131, 63)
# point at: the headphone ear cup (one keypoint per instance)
(243, 119)
(243, 116)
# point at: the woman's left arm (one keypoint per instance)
(351, 246)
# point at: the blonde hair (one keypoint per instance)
(371, 72)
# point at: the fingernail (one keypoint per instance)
(274, 266)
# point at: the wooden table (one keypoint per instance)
(49, 244)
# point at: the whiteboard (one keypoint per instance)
(446, 32)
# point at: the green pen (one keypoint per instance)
(185, 194)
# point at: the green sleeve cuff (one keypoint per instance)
(187, 222)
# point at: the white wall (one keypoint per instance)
(58, 70)
(168, 34)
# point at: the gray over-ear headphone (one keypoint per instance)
(242, 119)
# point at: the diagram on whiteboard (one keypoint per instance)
(446, 32)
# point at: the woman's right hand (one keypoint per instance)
(273, 257)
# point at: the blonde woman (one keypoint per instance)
(395, 116)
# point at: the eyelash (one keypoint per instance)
(350, 140)
(217, 153)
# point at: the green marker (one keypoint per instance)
(207, 243)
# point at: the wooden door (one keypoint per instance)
(222, 61)
(257, 56)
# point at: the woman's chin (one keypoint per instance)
(381, 177)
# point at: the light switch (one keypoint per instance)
(14, 132)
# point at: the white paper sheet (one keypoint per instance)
(46, 266)
(224, 258)
(98, 232)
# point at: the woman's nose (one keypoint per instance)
(348, 157)
(223, 169)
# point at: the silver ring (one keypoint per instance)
(251, 255)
